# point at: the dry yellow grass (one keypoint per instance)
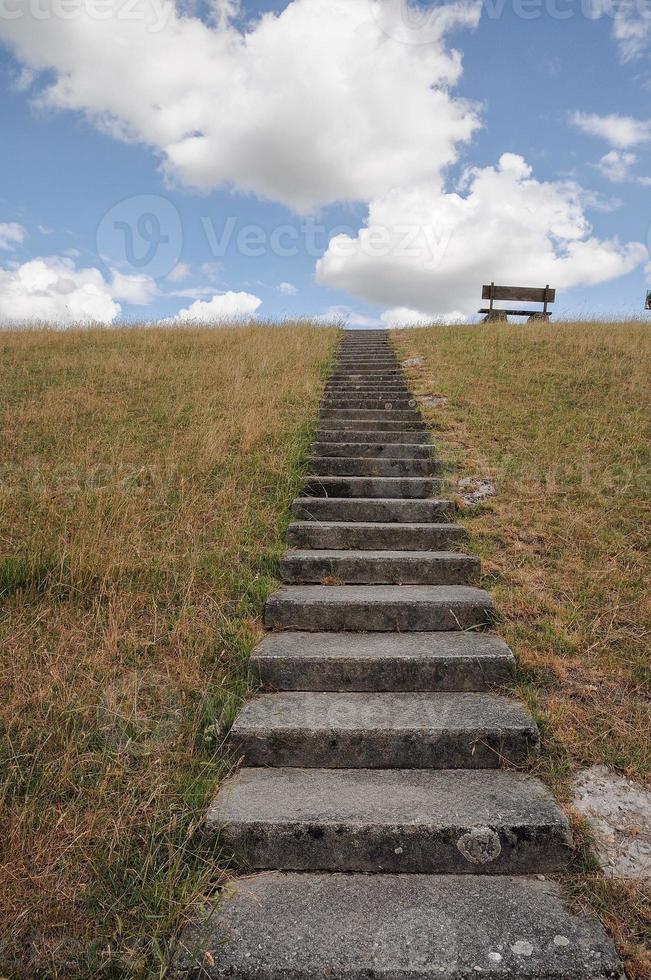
(145, 480)
(558, 416)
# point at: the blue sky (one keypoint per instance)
(218, 189)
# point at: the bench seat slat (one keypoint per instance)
(516, 312)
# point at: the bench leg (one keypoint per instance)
(496, 316)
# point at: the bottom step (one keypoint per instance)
(278, 926)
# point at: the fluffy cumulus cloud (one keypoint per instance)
(53, 290)
(622, 132)
(429, 251)
(267, 108)
(225, 306)
(618, 167)
(631, 25)
(324, 101)
(11, 235)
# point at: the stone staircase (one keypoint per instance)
(383, 801)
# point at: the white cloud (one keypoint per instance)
(267, 110)
(11, 234)
(179, 272)
(287, 289)
(622, 132)
(52, 290)
(617, 166)
(225, 306)
(402, 316)
(631, 26)
(137, 290)
(430, 251)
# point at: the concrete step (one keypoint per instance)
(372, 435)
(352, 376)
(399, 821)
(282, 925)
(373, 509)
(365, 384)
(385, 363)
(372, 415)
(381, 393)
(363, 391)
(379, 608)
(352, 466)
(343, 466)
(374, 404)
(382, 662)
(380, 567)
(366, 371)
(406, 730)
(362, 383)
(407, 487)
(381, 425)
(367, 357)
(374, 450)
(374, 536)
(343, 388)
(397, 392)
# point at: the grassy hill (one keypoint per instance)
(145, 481)
(144, 487)
(558, 417)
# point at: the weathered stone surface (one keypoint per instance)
(370, 425)
(374, 536)
(372, 389)
(351, 466)
(396, 820)
(370, 510)
(619, 813)
(289, 661)
(371, 436)
(374, 415)
(374, 450)
(367, 364)
(378, 608)
(287, 926)
(363, 385)
(380, 401)
(369, 371)
(474, 491)
(393, 487)
(380, 567)
(383, 731)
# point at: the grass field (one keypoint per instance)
(558, 417)
(145, 485)
(145, 482)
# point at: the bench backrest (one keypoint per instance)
(521, 294)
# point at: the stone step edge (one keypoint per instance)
(406, 927)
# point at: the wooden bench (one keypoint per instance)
(519, 294)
